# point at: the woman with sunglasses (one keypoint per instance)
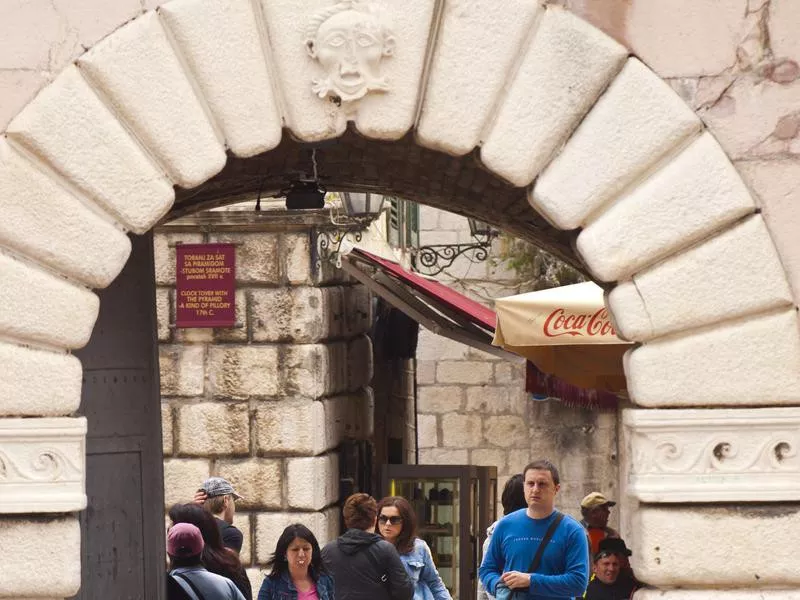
(397, 523)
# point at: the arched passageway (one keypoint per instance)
(590, 137)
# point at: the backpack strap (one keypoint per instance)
(545, 540)
(185, 582)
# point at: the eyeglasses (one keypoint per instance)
(383, 519)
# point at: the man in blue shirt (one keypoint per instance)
(563, 572)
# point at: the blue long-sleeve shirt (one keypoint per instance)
(563, 573)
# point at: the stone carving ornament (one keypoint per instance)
(349, 40)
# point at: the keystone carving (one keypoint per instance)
(42, 465)
(714, 455)
(349, 40)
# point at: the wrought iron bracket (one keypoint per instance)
(435, 258)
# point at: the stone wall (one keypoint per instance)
(266, 403)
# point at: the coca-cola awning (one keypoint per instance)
(565, 331)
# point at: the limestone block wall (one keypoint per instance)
(266, 403)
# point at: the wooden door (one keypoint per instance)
(123, 555)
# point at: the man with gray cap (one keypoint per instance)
(596, 509)
(219, 498)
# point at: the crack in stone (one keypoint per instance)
(644, 305)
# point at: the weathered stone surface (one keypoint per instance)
(167, 424)
(562, 73)
(29, 312)
(660, 547)
(461, 430)
(469, 372)
(735, 273)
(782, 36)
(754, 361)
(307, 370)
(476, 42)
(257, 480)
(505, 431)
(182, 477)
(695, 194)
(45, 222)
(296, 253)
(427, 431)
(359, 362)
(233, 75)
(164, 253)
(214, 428)
(38, 383)
(357, 309)
(300, 314)
(492, 400)
(426, 372)
(489, 458)
(182, 369)
(147, 85)
(243, 371)
(440, 399)
(258, 257)
(163, 315)
(293, 427)
(437, 347)
(72, 130)
(686, 38)
(312, 483)
(242, 522)
(634, 124)
(61, 554)
(443, 456)
(775, 185)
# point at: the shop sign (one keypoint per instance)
(205, 287)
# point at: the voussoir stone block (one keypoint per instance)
(243, 371)
(38, 382)
(257, 480)
(562, 73)
(61, 553)
(751, 361)
(41, 219)
(73, 131)
(661, 544)
(291, 427)
(214, 428)
(313, 482)
(635, 123)
(223, 47)
(40, 307)
(735, 273)
(476, 46)
(138, 71)
(695, 194)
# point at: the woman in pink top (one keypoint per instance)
(297, 570)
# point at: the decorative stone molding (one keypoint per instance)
(726, 455)
(42, 465)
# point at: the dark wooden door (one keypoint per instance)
(123, 526)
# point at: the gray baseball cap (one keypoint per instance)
(217, 486)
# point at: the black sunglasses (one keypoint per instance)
(383, 519)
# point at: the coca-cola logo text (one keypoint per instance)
(559, 323)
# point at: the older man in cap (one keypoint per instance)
(596, 509)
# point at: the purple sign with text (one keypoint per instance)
(205, 285)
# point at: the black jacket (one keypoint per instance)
(366, 567)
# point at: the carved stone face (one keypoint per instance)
(350, 45)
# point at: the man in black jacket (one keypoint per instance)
(364, 565)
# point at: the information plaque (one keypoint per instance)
(205, 285)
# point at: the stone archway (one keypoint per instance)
(533, 96)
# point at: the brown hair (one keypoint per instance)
(359, 511)
(542, 465)
(405, 541)
(214, 504)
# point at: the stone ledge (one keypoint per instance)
(42, 465)
(724, 455)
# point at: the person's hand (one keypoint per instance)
(516, 580)
(199, 497)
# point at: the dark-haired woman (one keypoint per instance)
(297, 570)
(216, 558)
(397, 523)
